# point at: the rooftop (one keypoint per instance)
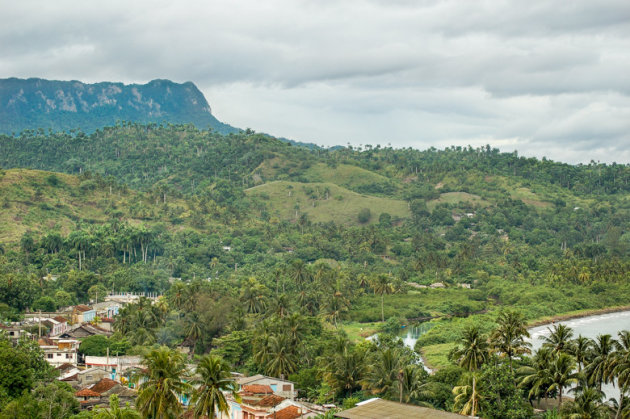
(379, 408)
(257, 389)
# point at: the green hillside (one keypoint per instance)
(41, 202)
(324, 202)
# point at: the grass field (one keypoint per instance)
(350, 177)
(323, 202)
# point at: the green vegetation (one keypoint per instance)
(280, 259)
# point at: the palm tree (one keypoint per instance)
(209, 399)
(537, 377)
(281, 305)
(382, 376)
(580, 348)
(561, 373)
(161, 384)
(602, 353)
(466, 398)
(335, 306)
(282, 360)
(382, 285)
(509, 337)
(115, 412)
(345, 370)
(193, 330)
(619, 368)
(471, 356)
(413, 385)
(559, 338)
(587, 405)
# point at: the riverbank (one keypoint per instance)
(576, 315)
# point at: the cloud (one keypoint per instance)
(544, 77)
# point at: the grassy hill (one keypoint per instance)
(33, 200)
(324, 202)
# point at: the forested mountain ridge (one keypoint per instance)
(63, 105)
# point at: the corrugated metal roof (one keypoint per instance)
(385, 409)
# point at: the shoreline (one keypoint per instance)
(431, 369)
(576, 315)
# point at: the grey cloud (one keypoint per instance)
(534, 75)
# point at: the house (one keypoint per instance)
(379, 408)
(91, 376)
(265, 397)
(67, 372)
(258, 402)
(57, 325)
(116, 365)
(107, 309)
(278, 386)
(14, 332)
(437, 285)
(99, 392)
(84, 330)
(82, 314)
(59, 352)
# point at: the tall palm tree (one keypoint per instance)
(508, 338)
(562, 374)
(382, 377)
(208, 398)
(601, 356)
(619, 369)
(161, 384)
(471, 356)
(537, 377)
(466, 399)
(559, 339)
(382, 285)
(580, 348)
(345, 370)
(281, 359)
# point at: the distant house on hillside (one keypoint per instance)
(82, 314)
(278, 386)
(84, 330)
(265, 397)
(59, 351)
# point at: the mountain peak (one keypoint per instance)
(61, 105)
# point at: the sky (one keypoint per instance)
(543, 77)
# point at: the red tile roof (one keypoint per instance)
(270, 401)
(60, 319)
(82, 307)
(289, 412)
(257, 389)
(86, 392)
(104, 385)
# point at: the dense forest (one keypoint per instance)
(281, 259)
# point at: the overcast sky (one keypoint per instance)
(546, 78)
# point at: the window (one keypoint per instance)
(88, 378)
(68, 356)
(286, 387)
(49, 356)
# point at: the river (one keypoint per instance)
(591, 326)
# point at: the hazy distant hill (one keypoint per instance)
(63, 105)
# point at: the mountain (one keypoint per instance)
(63, 105)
